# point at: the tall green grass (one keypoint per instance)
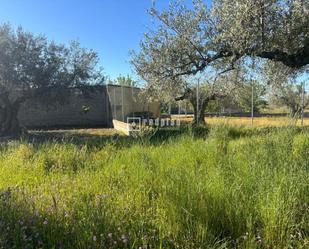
(222, 187)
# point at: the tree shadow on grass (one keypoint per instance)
(101, 137)
(78, 137)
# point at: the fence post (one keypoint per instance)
(122, 111)
(252, 103)
(197, 101)
(303, 104)
(114, 104)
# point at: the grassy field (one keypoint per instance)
(257, 122)
(246, 121)
(218, 187)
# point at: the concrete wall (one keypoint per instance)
(97, 108)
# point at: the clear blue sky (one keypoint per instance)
(110, 27)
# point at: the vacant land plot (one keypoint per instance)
(220, 188)
(246, 121)
(259, 121)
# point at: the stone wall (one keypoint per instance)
(97, 108)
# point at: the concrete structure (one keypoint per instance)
(121, 126)
(125, 101)
(97, 108)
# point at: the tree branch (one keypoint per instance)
(297, 60)
(156, 14)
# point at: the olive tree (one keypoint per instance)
(272, 29)
(187, 41)
(177, 52)
(30, 65)
(285, 85)
(291, 96)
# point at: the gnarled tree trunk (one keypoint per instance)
(199, 111)
(198, 107)
(9, 125)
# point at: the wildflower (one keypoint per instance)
(45, 222)
(258, 239)
(124, 239)
(110, 235)
(94, 238)
(245, 237)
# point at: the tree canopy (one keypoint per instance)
(186, 40)
(272, 29)
(125, 81)
(30, 64)
(291, 96)
(202, 40)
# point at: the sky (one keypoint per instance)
(110, 27)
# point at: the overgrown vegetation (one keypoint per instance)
(221, 187)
